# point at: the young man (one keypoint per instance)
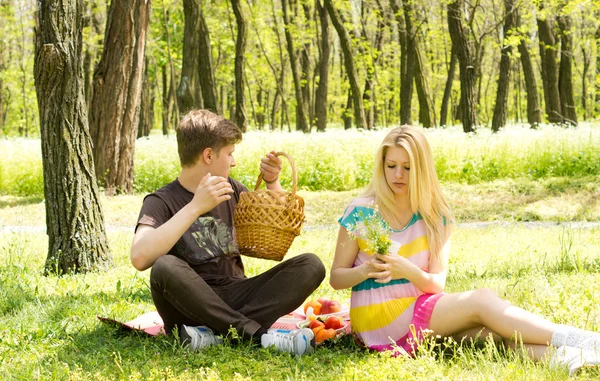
(185, 233)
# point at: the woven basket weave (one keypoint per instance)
(267, 221)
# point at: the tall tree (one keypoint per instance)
(597, 76)
(240, 50)
(323, 67)
(189, 91)
(448, 88)
(565, 74)
(346, 44)
(147, 104)
(548, 56)
(75, 226)
(501, 107)
(114, 113)
(302, 123)
(467, 63)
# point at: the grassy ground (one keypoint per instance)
(49, 328)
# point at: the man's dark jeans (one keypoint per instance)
(181, 295)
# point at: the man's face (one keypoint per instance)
(223, 161)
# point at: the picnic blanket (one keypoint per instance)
(152, 324)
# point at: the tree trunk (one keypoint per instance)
(301, 108)
(347, 113)
(467, 62)
(323, 65)
(147, 105)
(597, 76)
(114, 114)
(405, 112)
(189, 92)
(74, 222)
(369, 92)
(565, 76)
(448, 88)
(426, 111)
(501, 107)
(241, 118)
(346, 44)
(584, 78)
(548, 51)
(166, 100)
(534, 112)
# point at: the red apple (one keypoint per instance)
(333, 322)
(330, 307)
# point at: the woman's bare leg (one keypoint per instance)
(455, 313)
(533, 351)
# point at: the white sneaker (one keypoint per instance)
(574, 358)
(196, 338)
(299, 341)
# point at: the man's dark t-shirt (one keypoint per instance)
(209, 245)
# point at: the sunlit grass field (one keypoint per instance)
(48, 325)
(340, 160)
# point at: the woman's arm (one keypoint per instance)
(343, 275)
(397, 267)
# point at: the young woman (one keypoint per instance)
(397, 296)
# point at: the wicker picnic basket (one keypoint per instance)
(267, 221)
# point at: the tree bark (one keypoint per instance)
(448, 88)
(346, 44)
(323, 66)
(114, 114)
(565, 75)
(75, 226)
(501, 107)
(166, 100)
(548, 55)
(241, 118)
(189, 92)
(147, 105)
(301, 108)
(467, 62)
(597, 76)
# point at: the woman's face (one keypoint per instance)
(397, 170)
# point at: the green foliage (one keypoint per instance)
(343, 160)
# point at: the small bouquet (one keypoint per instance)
(374, 231)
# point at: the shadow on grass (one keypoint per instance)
(11, 201)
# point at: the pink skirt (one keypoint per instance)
(423, 309)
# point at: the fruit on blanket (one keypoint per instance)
(334, 322)
(322, 299)
(315, 305)
(330, 307)
(315, 323)
(324, 334)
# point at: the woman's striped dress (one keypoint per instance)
(382, 313)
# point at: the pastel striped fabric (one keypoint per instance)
(381, 313)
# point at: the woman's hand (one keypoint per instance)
(391, 266)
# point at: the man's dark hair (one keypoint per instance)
(201, 129)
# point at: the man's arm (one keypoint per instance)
(150, 243)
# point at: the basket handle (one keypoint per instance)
(294, 174)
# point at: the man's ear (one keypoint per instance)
(207, 155)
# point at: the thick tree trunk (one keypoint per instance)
(189, 92)
(301, 108)
(565, 76)
(346, 44)
(323, 66)
(448, 88)
(74, 222)
(241, 119)
(426, 111)
(548, 52)
(118, 78)
(534, 111)
(467, 62)
(501, 107)
(147, 105)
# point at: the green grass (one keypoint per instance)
(342, 160)
(49, 328)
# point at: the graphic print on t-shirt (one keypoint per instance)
(214, 237)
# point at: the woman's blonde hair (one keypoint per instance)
(424, 190)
